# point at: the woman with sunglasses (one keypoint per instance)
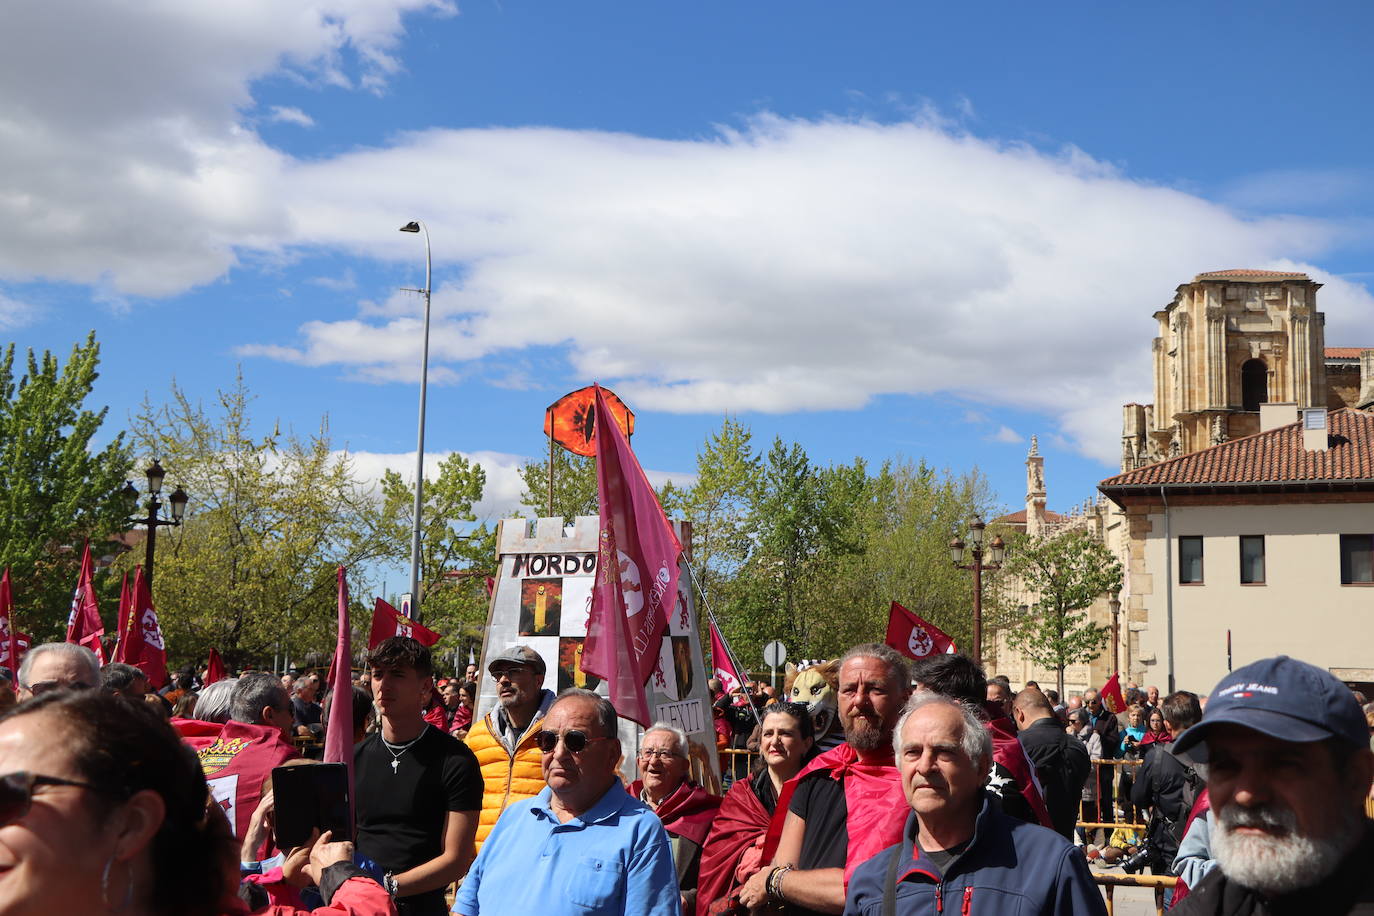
(734, 848)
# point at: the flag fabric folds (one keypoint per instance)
(338, 735)
(1112, 697)
(914, 637)
(126, 607)
(388, 622)
(636, 573)
(724, 663)
(84, 626)
(9, 645)
(214, 668)
(142, 645)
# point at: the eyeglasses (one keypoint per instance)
(655, 753)
(499, 673)
(574, 740)
(43, 687)
(16, 792)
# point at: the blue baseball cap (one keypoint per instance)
(1285, 699)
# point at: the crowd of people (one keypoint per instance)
(945, 790)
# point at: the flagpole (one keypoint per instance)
(710, 614)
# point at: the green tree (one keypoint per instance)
(1067, 573)
(252, 569)
(574, 485)
(453, 564)
(60, 488)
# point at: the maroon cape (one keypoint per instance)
(237, 760)
(1007, 751)
(740, 823)
(688, 812)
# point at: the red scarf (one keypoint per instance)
(741, 822)
(687, 812)
(877, 809)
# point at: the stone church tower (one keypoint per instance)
(1229, 341)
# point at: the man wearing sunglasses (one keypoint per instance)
(505, 739)
(57, 664)
(581, 846)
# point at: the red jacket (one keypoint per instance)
(355, 897)
(237, 758)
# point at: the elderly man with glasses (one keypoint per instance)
(57, 664)
(505, 739)
(582, 845)
(685, 808)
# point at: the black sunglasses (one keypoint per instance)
(43, 687)
(573, 740)
(16, 792)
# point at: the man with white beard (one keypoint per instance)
(1288, 770)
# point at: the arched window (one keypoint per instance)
(1254, 384)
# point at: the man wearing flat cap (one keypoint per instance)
(505, 740)
(1286, 749)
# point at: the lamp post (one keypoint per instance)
(996, 551)
(419, 226)
(1114, 605)
(177, 502)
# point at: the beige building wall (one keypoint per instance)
(1302, 610)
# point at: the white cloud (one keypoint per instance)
(15, 314)
(285, 114)
(1006, 434)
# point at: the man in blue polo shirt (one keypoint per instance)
(582, 845)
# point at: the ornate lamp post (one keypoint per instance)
(1114, 605)
(996, 552)
(419, 226)
(177, 502)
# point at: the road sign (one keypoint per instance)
(775, 654)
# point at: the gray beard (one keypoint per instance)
(863, 738)
(1275, 865)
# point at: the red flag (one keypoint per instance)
(84, 626)
(636, 571)
(142, 642)
(9, 648)
(914, 637)
(338, 733)
(214, 668)
(725, 671)
(388, 622)
(1112, 698)
(126, 607)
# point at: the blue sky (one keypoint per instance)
(877, 229)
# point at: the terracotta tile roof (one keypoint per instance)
(1019, 518)
(1273, 457)
(1241, 273)
(1345, 352)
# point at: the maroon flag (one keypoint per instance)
(914, 637)
(725, 671)
(636, 573)
(388, 622)
(126, 607)
(84, 626)
(9, 647)
(1111, 695)
(338, 734)
(214, 668)
(145, 649)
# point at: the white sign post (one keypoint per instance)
(775, 656)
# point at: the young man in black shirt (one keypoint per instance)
(418, 790)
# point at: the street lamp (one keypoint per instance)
(996, 552)
(177, 503)
(1114, 605)
(419, 226)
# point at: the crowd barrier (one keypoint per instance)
(1110, 882)
(1116, 814)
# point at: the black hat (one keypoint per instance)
(1285, 699)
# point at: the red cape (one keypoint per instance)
(741, 822)
(1007, 751)
(237, 759)
(688, 812)
(877, 810)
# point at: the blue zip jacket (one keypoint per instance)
(1010, 868)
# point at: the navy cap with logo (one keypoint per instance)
(1285, 699)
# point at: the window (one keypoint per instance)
(1252, 559)
(1190, 561)
(1357, 559)
(1254, 384)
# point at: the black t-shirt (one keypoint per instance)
(819, 800)
(401, 814)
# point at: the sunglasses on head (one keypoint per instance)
(16, 792)
(574, 740)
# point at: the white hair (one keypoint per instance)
(975, 740)
(79, 654)
(678, 734)
(1282, 863)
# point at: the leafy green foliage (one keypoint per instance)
(574, 485)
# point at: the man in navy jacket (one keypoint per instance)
(959, 852)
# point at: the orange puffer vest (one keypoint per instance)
(505, 778)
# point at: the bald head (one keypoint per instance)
(1030, 705)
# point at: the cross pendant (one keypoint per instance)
(395, 765)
